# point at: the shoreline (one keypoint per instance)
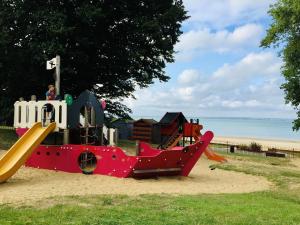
(284, 145)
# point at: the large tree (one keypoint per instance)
(108, 46)
(284, 33)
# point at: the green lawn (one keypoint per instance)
(256, 208)
(128, 146)
(7, 138)
(281, 205)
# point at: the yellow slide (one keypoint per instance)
(17, 155)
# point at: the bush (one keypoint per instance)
(255, 147)
(243, 147)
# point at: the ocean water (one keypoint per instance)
(251, 127)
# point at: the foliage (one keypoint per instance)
(109, 47)
(284, 33)
(255, 147)
(244, 147)
(7, 138)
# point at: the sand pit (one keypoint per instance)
(31, 185)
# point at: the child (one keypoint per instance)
(50, 94)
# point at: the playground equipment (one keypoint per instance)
(192, 132)
(22, 149)
(72, 137)
(87, 157)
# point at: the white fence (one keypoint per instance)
(28, 113)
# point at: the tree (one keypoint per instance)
(284, 33)
(109, 47)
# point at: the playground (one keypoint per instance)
(30, 185)
(149, 112)
(64, 151)
(210, 196)
(66, 161)
(57, 168)
(71, 135)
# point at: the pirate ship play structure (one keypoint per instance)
(71, 137)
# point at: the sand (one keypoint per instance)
(31, 185)
(266, 143)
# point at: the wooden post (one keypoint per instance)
(66, 136)
(137, 148)
(101, 135)
(93, 117)
(86, 124)
(191, 138)
(57, 75)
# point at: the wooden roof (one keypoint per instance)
(148, 121)
(170, 117)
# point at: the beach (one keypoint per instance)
(287, 145)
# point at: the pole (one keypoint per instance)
(191, 138)
(101, 135)
(66, 136)
(86, 124)
(93, 117)
(57, 75)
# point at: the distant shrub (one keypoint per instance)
(243, 147)
(255, 147)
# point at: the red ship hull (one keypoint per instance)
(112, 161)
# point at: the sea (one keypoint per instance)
(266, 128)
(263, 128)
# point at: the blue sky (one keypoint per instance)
(220, 71)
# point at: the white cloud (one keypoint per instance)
(186, 93)
(253, 103)
(189, 76)
(232, 90)
(252, 66)
(197, 41)
(248, 86)
(223, 13)
(232, 104)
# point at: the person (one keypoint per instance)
(50, 96)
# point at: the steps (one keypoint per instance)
(172, 141)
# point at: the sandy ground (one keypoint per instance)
(266, 143)
(30, 185)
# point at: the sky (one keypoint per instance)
(220, 70)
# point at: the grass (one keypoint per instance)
(255, 208)
(281, 171)
(7, 138)
(281, 205)
(128, 146)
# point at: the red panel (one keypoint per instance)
(110, 160)
(146, 150)
(190, 129)
(196, 151)
(21, 131)
(113, 161)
